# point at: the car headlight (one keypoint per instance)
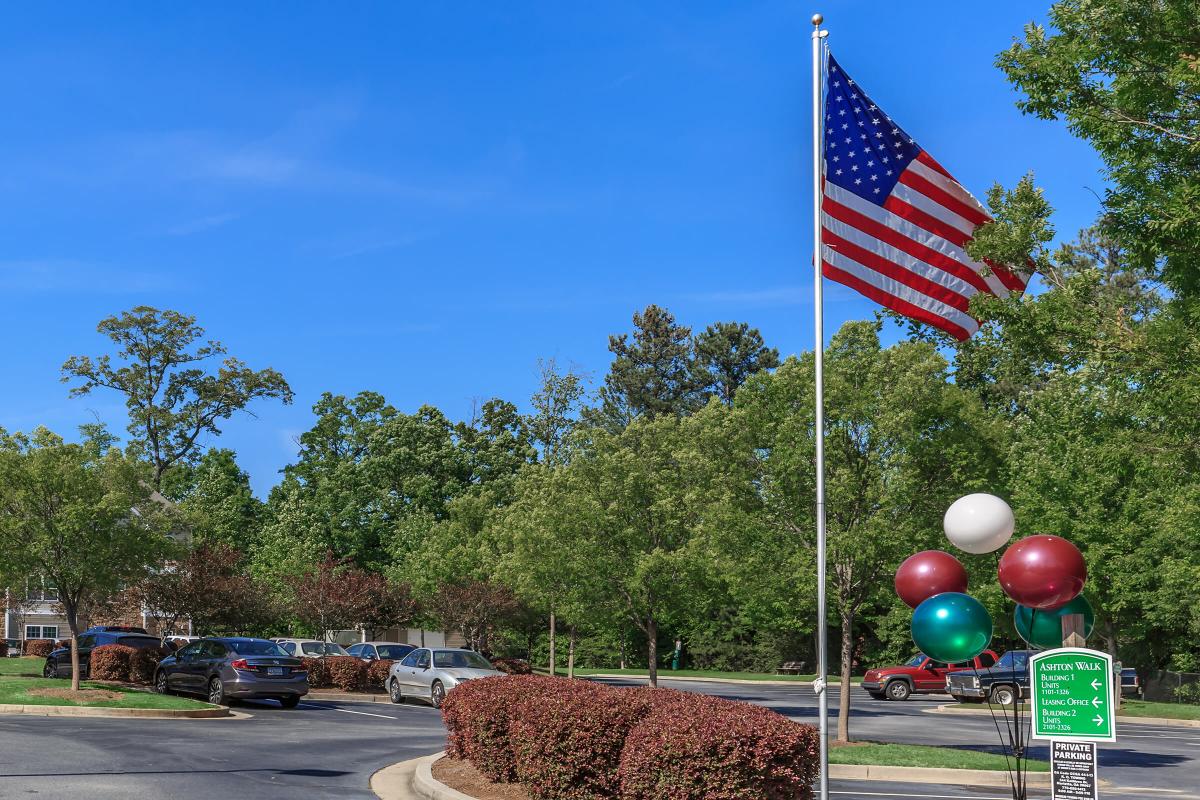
(974, 682)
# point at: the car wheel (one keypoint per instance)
(437, 693)
(394, 691)
(1003, 695)
(160, 683)
(291, 701)
(50, 670)
(897, 690)
(216, 692)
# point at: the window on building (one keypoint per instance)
(40, 591)
(41, 631)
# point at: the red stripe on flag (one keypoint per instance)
(1011, 282)
(891, 301)
(932, 163)
(940, 196)
(895, 271)
(901, 242)
(925, 220)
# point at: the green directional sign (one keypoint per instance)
(1071, 695)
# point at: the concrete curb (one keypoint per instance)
(1124, 720)
(141, 713)
(955, 777)
(413, 779)
(348, 697)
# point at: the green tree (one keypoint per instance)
(171, 399)
(1125, 76)
(556, 407)
(902, 442)
(79, 515)
(216, 502)
(652, 375)
(727, 354)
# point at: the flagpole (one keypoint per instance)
(819, 430)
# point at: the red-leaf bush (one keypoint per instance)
(3, 648)
(318, 672)
(377, 673)
(567, 743)
(477, 716)
(718, 750)
(110, 662)
(346, 672)
(512, 666)
(38, 647)
(576, 740)
(143, 662)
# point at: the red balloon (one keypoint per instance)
(1044, 572)
(927, 573)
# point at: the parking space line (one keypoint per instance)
(930, 796)
(347, 711)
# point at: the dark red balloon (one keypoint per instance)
(1042, 571)
(927, 573)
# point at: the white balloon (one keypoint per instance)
(978, 523)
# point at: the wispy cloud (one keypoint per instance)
(64, 275)
(202, 224)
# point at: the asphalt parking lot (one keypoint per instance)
(327, 749)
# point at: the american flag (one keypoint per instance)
(894, 222)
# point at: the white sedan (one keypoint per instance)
(429, 673)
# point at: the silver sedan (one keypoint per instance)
(429, 673)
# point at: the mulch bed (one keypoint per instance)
(461, 775)
(81, 696)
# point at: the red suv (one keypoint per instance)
(921, 675)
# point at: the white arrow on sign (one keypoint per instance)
(1095, 702)
(1099, 720)
(1096, 685)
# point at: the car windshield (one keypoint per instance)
(322, 649)
(394, 652)
(916, 660)
(257, 647)
(1013, 660)
(460, 659)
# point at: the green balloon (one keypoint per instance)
(1043, 629)
(951, 627)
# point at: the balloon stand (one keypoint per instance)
(1044, 575)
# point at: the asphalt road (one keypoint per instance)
(326, 750)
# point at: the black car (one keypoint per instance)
(234, 668)
(1001, 683)
(58, 663)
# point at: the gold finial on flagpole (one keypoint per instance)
(817, 19)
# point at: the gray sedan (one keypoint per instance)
(429, 673)
(232, 668)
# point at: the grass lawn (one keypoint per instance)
(666, 674)
(1141, 708)
(18, 666)
(16, 691)
(913, 755)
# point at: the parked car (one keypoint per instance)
(310, 648)
(429, 673)
(233, 668)
(58, 663)
(919, 675)
(180, 641)
(1131, 684)
(1002, 683)
(374, 651)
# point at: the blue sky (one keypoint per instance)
(422, 199)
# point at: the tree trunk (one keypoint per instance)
(552, 627)
(843, 733)
(622, 648)
(652, 647)
(71, 612)
(571, 654)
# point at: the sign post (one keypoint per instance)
(1073, 771)
(1071, 695)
